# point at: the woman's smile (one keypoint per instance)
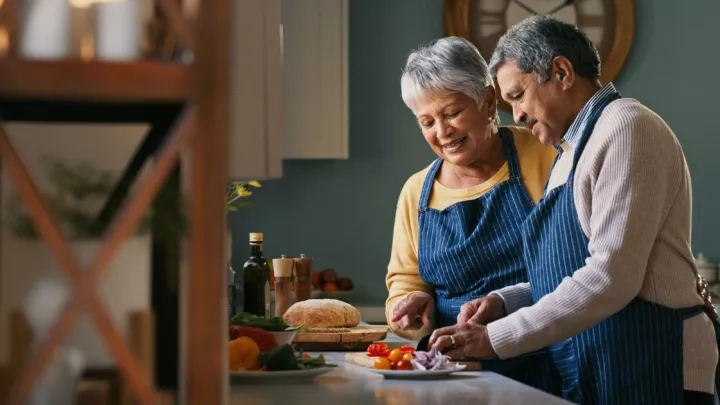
(454, 146)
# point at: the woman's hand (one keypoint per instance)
(463, 340)
(413, 311)
(482, 310)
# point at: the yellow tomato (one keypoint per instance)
(407, 357)
(395, 355)
(381, 363)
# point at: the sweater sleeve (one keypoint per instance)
(636, 174)
(403, 275)
(515, 297)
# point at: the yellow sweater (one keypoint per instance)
(403, 276)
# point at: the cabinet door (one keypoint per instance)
(315, 89)
(256, 118)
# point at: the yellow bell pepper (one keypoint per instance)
(244, 354)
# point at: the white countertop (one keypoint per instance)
(349, 384)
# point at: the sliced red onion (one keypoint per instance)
(432, 360)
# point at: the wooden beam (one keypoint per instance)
(94, 81)
(207, 375)
(84, 284)
(178, 23)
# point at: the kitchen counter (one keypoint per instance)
(349, 384)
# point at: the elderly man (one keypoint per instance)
(613, 286)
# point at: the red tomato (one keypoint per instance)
(404, 365)
(407, 349)
(377, 349)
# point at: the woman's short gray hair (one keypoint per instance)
(534, 42)
(444, 66)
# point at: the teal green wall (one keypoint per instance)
(341, 212)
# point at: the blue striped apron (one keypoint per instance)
(474, 247)
(633, 357)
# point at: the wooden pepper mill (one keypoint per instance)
(303, 277)
(283, 272)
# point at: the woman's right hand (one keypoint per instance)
(482, 310)
(414, 311)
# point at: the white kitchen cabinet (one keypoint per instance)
(256, 118)
(315, 79)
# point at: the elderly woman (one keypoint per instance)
(457, 227)
(613, 285)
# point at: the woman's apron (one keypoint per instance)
(633, 357)
(474, 247)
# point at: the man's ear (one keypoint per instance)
(563, 72)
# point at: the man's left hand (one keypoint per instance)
(471, 340)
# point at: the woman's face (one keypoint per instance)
(455, 126)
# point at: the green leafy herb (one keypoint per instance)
(306, 363)
(279, 358)
(276, 324)
(284, 358)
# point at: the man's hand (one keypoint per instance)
(413, 311)
(466, 340)
(482, 310)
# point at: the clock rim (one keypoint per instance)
(456, 15)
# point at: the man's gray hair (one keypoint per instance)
(445, 66)
(534, 42)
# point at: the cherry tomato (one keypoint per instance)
(404, 365)
(407, 357)
(393, 365)
(395, 355)
(306, 356)
(381, 363)
(377, 349)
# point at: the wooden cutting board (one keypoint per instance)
(361, 359)
(358, 338)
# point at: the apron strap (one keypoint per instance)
(510, 152)
(512, 159)
(428, 184)
(588, 129)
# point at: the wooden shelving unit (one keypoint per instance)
(144, 81)
(186, 106)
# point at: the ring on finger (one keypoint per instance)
(452, 342)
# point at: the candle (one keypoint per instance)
(44, 29)
(117, 29)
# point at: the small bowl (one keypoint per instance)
(285, 337)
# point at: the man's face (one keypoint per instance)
(543, 108)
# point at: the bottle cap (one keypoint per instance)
(256, 237)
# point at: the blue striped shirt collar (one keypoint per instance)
(572, 136)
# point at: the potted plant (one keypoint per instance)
(75, 193)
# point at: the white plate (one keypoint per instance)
(278, 377)
(418, 374)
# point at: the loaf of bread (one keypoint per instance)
(322, 313)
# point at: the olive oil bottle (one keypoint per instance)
(256, 277)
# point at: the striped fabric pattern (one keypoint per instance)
(474, 247)
(632, 357)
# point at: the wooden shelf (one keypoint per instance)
(76, 80)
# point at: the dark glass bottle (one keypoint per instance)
(256, 277)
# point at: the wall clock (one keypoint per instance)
(610, 24)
